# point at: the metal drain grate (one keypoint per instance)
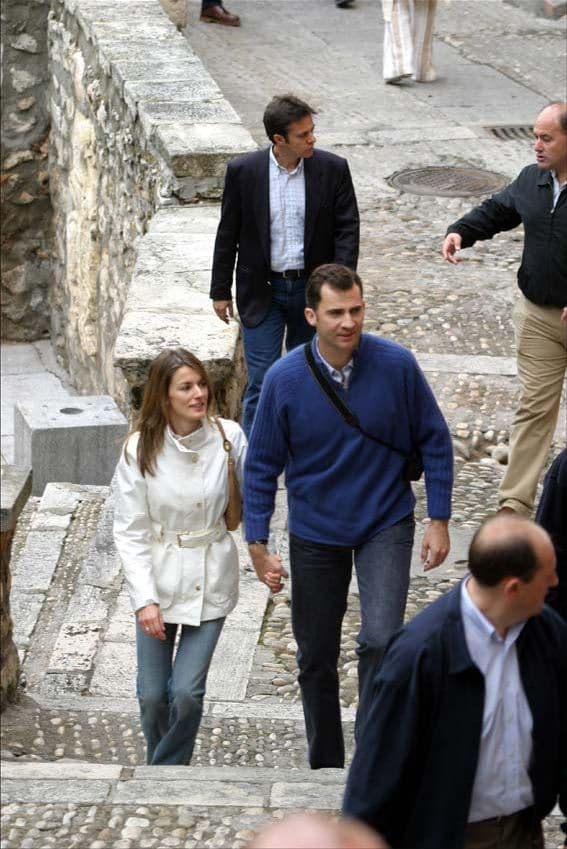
(447, 182)
(512, 133)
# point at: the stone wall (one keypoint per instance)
(137, 125)
(24, 199)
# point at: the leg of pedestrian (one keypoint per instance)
(383, 571)
(542, 361)
(398, 43)
(423, 23)
(262, 347)
(152, 684)
(186, 692)
(298, 331)
(320, 576)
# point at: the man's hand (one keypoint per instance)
(564, 315)
(436, 544)
(151, 621)
(451, 247)
(224, 310)
(268, 567)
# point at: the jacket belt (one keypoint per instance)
(191, 539)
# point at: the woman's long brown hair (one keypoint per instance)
(153, 417)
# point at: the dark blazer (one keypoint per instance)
(413, 771)
(331, 227)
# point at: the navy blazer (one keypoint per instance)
(331, 227)
(413, 771)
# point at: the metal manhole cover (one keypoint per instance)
(447, 182)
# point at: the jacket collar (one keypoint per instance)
(459, 657)
(545, 179)
(192, 442)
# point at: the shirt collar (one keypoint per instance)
(484, 627)
(297, 170)
(555, 179)
(345, 370)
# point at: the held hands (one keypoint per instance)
(451, 247)
(151, 621)
(436, 544)
(224, 310)
(268, 567)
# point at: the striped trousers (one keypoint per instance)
(408, 36)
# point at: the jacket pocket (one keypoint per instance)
(167, 572)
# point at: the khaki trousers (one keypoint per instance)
(408, 37)
(516, 831)
(541, 343)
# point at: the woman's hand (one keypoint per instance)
(150, 620)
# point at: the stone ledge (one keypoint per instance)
(164, 85)
(15, 485)
(168, 306)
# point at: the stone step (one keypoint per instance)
(86, 783)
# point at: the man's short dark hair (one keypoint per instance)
(511, 556)
(338, 277)
(283, 110)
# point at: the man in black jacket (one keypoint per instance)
(537, 199)
(285, 210)
(465, 743)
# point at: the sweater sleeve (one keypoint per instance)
(494, 215)
(265, 460)
(132, 529)
(431, 434)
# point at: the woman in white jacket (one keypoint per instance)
(180, 562)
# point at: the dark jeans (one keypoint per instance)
(206, 4)
(320, 576)
(263, 343)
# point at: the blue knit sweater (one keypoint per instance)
(342, 487)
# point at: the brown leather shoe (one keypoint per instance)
(217, 14)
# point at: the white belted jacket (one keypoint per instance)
(169, 527)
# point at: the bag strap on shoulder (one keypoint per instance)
(226, 444)
(346, 413)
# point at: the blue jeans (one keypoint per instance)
(170, 692)
(263, 343)
(320, 576)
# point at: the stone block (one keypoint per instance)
(115, 671)
(197, 149)
(56, 792)
(34, 568)
(187, 792)
(15, 489)
(75, 647)
(25, 609)
(77, 441)
(308, 794)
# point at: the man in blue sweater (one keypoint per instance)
(465, 745)
(347, 494)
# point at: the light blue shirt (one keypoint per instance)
(342, 375)
(557, 188)
(502, 785)
(287, 215)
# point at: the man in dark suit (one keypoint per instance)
(285, 210)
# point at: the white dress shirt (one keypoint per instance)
(287, 215)
(502, 785)
(184, 500)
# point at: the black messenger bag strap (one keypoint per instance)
(414, 464)
(347, 414)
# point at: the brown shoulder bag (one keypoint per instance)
(233, 513)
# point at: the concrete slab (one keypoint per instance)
(55, 792)
(33, 569)
(191, 793)
(25, 608)
(305, 795)
(60, 770)
(115, 671)
(78, 441)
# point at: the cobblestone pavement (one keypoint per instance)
(78, 709)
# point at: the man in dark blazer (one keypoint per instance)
(285, 210)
